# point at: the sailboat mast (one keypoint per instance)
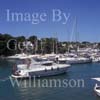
(76, 35)
(36, 45)
(41, 47)
(53, 45)
(56, 43)
(74, 31)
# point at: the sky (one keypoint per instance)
(86, 12)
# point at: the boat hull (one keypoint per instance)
(78, 62)
(97, 90)
(42, 73)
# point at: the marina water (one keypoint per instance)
(76, 72)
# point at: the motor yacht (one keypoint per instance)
(29, 67)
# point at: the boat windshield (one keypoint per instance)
(40, 59)
(24, 61)
(47, 64)
(44, 62)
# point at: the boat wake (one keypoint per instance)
(4, 79)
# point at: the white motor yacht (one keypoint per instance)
(74, 60)
(16, 57)
(30, 68)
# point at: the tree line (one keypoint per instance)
(40, 46)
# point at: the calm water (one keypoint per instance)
(84, 71)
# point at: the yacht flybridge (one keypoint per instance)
(30, 67)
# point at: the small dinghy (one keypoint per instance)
(97, 89)
(97, 79)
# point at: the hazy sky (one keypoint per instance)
(87, 13)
